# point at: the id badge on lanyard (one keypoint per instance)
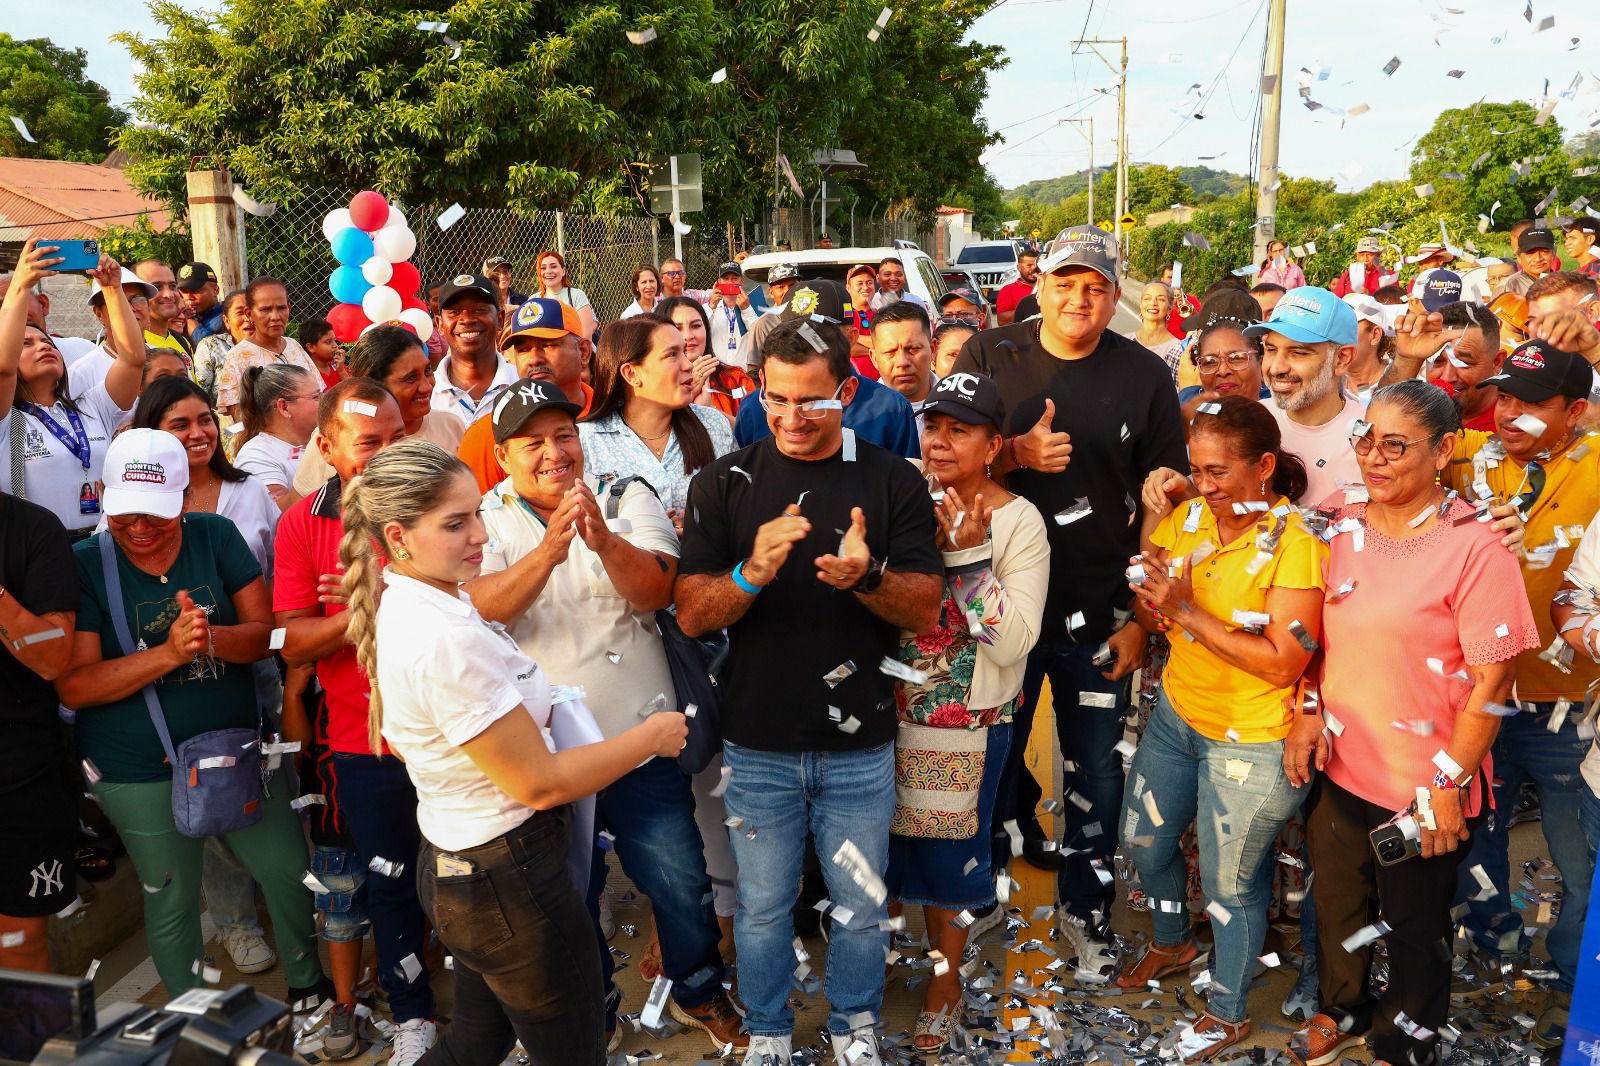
(77, 442)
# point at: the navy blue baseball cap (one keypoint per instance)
(1440, 287)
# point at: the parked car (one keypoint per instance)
(922, 275)
(989, 263)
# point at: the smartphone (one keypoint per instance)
(77, 257)
(729, 288)
(1397, 841)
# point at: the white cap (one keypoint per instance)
(146, 471)
(128, 278)
(1369, 310)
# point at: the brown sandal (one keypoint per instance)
(1158, 962)
(1210, 1035)
(650, 961)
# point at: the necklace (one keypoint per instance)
(647, 436)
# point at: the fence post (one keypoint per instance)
(655, 242)
(216, 226)
(561, 236)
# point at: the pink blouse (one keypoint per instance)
(1453, 595)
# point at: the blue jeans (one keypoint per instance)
(1238, 797)
(1526, 750)
(650, 811)
(839, 796)
(379, 805)
(1088, 737)
(1589, 819)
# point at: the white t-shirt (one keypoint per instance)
(270, 459)
(87, 371)
(52, 476)
(74, 348)
(728, 328)
(459, 402)
(1325, 449)
(446, 676)
(580, 620)
(253, 512)
(1585, 571)
(572, 296)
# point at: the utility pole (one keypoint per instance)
(1271, 120)
(1090, 138)
(1122, 122)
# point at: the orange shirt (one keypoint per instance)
(728, 387)
(477, 447)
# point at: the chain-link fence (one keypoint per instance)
(601, 252)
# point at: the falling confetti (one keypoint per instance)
(642, 37)
(883, 20)
(450, 216)
(22, 128)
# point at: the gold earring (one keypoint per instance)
(402, 554)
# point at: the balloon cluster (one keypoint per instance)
(375, 281)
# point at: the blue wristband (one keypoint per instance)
(743, 582)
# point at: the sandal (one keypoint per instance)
(1210, 1035)
(94, 864)
(1158, 962)
(650, 961)
(933, 1028)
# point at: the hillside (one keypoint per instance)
(1208, 184)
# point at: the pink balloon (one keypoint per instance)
(368, 211)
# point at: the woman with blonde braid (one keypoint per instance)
(472, 717)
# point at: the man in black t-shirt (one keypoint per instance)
(38, 807)
(1089, 414)
(814, 549)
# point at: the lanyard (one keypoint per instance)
(733, 326)
(77, 444)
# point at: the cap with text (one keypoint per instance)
(1369, 244)
(1536, 240)
(1535, 372)
(146, 472)
(1311, 316)
(1439, 288)
(970, 398)
(524, 400)
(1083, 246)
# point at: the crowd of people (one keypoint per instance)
(413, 638)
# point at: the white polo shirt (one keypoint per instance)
(446, 397)
(581, 630)
(446, 676)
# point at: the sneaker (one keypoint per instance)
(717, 1018)
(983, 921)
(608, 924)
(1320, 1041)
(340, 1040)
(249, 951)
(768, 1051)
(858, 1048)
(1091, 957)
(412, 1039)
(1301, 1003)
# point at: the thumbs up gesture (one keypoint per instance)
(1042, 448)
(845, 569)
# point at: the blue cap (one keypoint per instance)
(1309, 315)
(1440, 287)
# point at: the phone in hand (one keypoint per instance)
(729, 288)
(1397, 840)
(77, 256)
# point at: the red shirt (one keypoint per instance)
(307, 547)
(1483, 420)
(1010, 295)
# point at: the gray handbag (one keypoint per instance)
(216, 776)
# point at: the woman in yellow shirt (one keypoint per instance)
(1236, 577)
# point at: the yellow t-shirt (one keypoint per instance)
(169, 342)
(1556, 521)
(1211, 695)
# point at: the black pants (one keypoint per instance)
(526, 964)
(1351, 889)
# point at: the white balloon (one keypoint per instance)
(336, 220)
(381, 303)
(419, 320)
(395, 245)
(396, 220)
(377, 270)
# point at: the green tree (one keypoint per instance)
(69, 116)
(1507, 136)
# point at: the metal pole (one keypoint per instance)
(1122, 144)
(676, 219)
(1271, 119)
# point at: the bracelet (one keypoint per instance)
(1011, 443)
(1442, 780)
(743, 582)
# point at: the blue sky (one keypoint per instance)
(1171, 48)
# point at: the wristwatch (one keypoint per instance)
(871, 580)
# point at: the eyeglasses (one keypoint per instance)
(811, 410)
(1392, 449)
(969, 318)
(1235, 360)
(673, 273)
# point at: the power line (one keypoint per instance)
(1042, 114)
(1205, 97)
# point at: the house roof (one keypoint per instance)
(55, 198)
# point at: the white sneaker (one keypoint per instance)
(249, 951)
(1092, 959)
(859, 1048)
(996, 916)
(608, 924)
(412, 1039)
(769, 1051)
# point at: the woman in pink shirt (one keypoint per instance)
(1425, 613)
(1278, 269)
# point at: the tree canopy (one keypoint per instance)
(69, 116)
(552, 106)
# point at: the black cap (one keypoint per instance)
(1588, 223)
(192, 277)
(522, 401)
(729, 268)
(1439, 288)
(1535, 372)
(962, 292)
(970, 398)
(464, 283)
(817, 298)
(1535, 240)
(1228, 305)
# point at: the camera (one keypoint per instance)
(45, 1018)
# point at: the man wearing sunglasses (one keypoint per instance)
(1538, 457)
(814, 548)
(673, 276)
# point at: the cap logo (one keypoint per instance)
(963, 384)
(144, 473)
(186, 271)
(462, 279)
(1528, 359)
(1298, 304)
(804, 301)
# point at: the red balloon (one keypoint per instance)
(407, 302)
(405, 280)
(368, 211)
(347, 320)
(403, 324)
